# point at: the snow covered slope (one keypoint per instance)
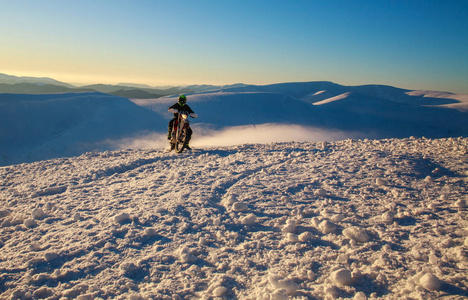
(366, 219)
(222, 109)
(34, 127)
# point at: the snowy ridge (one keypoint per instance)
(354, 218)
(458, 102)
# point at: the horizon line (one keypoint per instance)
(173, 85)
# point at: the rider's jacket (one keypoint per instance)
(179, 107)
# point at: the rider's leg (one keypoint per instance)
(187, 139)
(169, 128)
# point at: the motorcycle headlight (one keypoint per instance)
(184, 116)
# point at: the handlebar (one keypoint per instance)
(175, 111)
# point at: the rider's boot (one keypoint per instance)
(186, 145)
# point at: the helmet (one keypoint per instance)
(182, 99)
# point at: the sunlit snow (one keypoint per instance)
(352, 218)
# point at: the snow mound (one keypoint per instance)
(430, 281)
(356, 234)
(327, 227)
(342, 277)
(250, 219)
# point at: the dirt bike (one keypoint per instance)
(179, 130)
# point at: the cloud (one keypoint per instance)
(142, 141)
(252, 134)
(266, 133)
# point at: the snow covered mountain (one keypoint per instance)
(366, 113)
(360, 219)
(34, 127)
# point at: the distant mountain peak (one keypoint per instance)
(135, 85)
(11, 79)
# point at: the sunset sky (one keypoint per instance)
(409, 44)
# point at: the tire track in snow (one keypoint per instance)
(123, 167)
(222, 189)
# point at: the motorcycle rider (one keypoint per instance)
(181, 105)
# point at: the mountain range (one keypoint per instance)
(44, 85)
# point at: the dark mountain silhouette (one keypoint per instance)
(10, 79)
(34, 88)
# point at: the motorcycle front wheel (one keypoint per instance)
(180, 143)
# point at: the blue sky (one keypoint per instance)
(409, 44)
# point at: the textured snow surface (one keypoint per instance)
(348, 219)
